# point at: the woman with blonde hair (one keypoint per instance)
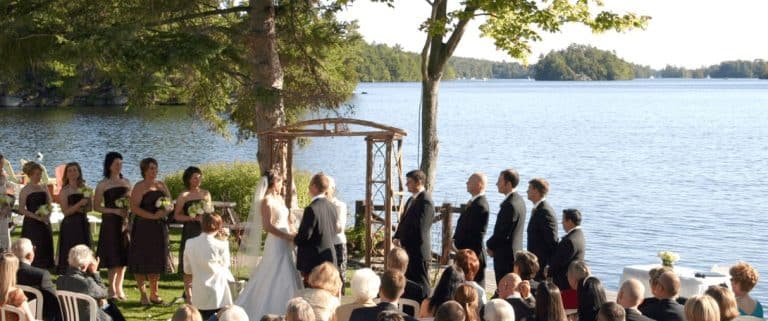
(743, 278)
(365, 286)
(701, 308)
(35, 205)
(323, 292)
(726, 301)
(9, 293)
(467, 296)
(75, 202)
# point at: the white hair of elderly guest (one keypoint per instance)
(365, 285)
(232, 313)
(80, 256)
(498, 310)
(299, 310)
(22, 248)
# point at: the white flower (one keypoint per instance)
(122, 202)
(43, 210)
(669, 256)
(86, 191)
(208, 208)
(164, 202)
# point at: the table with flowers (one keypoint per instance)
(690, 283)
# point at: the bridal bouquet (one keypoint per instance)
(123, 202)
(200, 208)
(668, 258)
(44, 210)
(86, 191)
(164, 202)
(5, 201)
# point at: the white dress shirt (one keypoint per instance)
(341, 221)
(207, 259)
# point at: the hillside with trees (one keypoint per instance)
(582, 62)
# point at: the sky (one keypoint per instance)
(683, 33)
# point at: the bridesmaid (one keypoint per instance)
(74, 227)
(148, 254)
(37, 228)
(5, 211)
(193, 195)
(113, 249)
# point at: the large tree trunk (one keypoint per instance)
(429, 140)
(267, 80)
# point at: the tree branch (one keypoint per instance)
(453, 41)
(203, 14)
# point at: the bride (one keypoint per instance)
(273, 279)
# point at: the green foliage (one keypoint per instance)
(234, 182)
(757, 68)
(580, 62)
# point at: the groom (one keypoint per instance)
(317, 229)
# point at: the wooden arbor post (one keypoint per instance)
(379, 179)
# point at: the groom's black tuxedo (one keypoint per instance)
(315, 236)
(507, 235)
(413, 233)
(470, 232)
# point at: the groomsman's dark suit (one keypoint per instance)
(662, 309)
(470, 232)
(571, 248)
(40, 279)
(315, 236)
(413, 233)
(507, 235)
(542, 235)
(371, 313)
(634, 314)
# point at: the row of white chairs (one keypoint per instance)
(68, 303)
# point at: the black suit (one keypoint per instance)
(413, 233)
(524, 308)
(40, 279)
(315, 236)
(414, 291)
(635, 315)
(370, 313)
(662, 309)
(470, 232)
(591, 295)
(542, 235)
(507, 235)
(571, 248)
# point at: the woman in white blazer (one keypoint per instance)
(206, 259)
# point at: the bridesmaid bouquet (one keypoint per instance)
(668, 258)
(164, 202)
(123, 202)
(86, 191)
(5, 201)
(44, 210)
(197, 208)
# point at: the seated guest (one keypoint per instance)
(726, 301)
(392, 287)
(187, 312)
(451, 311)
(397, 260)
(611, 311)
(743, 278)
(9, 293)
(571, 248)
(509, 289)
(468, 262)
(630, 296)
(82, 276)
(451, 278)
(589, 290)
(701, 308)
(466, 296)
(365, 285)
(549, 303)
(37, 278)
(498, 310)
(236, 313)
(323, 292)
(527, 266)
(268, 317)
(663, 307)
(389, 316)
(299, 310)
(206, 264)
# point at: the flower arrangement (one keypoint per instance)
(123, 202)
(44, 210)
(668, 258)
(86, 191)
(199, 208)
(5, 201)
(164, 202)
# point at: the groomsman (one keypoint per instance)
(473, 222)
(570, 249)
(507, 235)
(542, 229)
(413, 229)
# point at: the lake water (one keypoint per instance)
(653, 165)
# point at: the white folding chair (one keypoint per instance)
(13, 310)
(411, 303)
(69, 306)
(35, 304)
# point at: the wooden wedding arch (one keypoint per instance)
(384, 165)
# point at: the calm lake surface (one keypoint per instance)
(653, 165)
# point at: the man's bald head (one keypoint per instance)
(631, 293)
(669, 284)
(476, 183)
(508, 285)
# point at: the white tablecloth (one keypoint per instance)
(689, 283)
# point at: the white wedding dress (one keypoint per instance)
(274, 279)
